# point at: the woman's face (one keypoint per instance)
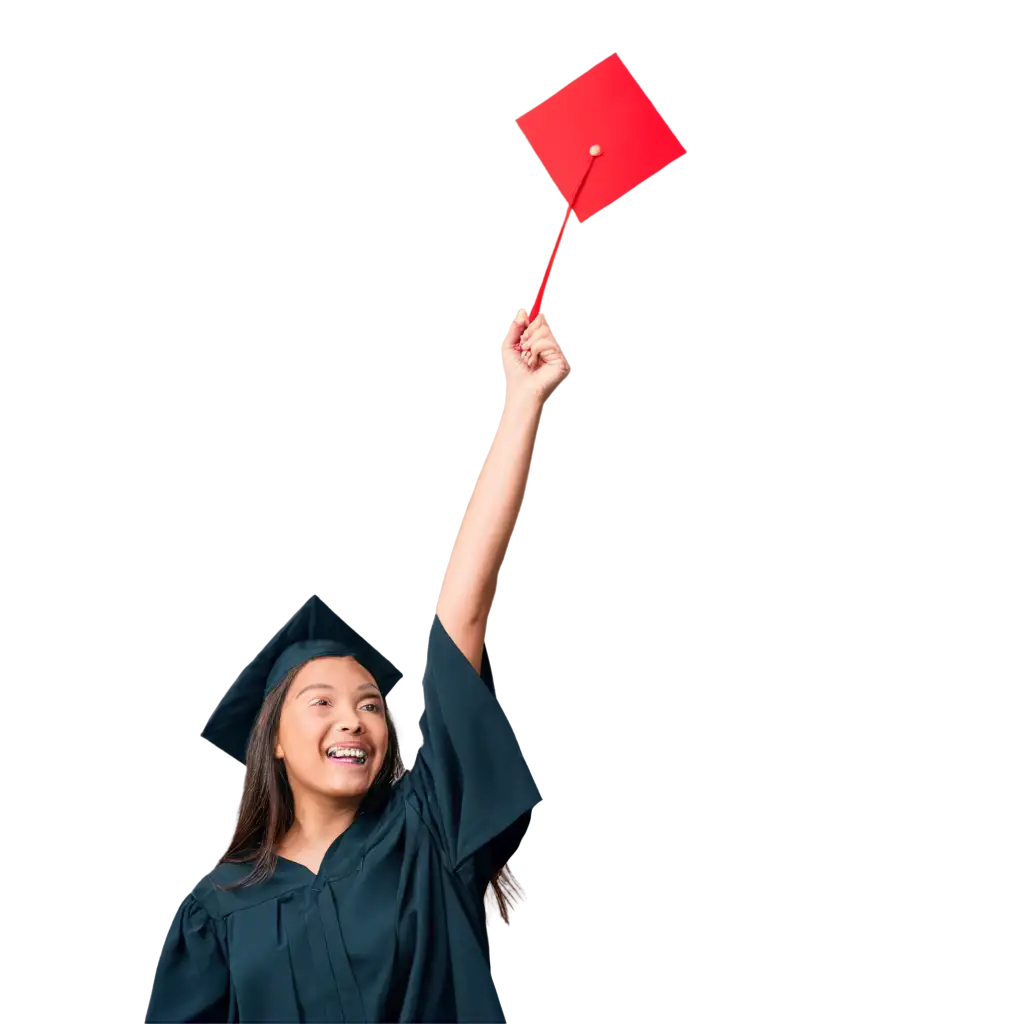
(332, 709)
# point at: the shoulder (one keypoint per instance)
(199, 909)
(214, 895)
(203, 897)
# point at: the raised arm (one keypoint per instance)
(534, 366)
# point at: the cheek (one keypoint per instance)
(299, 739)
(381, 740)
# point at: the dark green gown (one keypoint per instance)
(392, 927)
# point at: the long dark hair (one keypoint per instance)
(267, 810)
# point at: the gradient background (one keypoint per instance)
(252, 263)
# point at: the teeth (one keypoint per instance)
(346, 752)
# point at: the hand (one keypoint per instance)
(534, 364)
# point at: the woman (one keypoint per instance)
(352, 889)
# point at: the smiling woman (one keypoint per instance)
(353, 889)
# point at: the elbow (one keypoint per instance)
(467, 605)
(467, 635)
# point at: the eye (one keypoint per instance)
(375, 707)
(323, 701)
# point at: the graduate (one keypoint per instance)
(353, 890)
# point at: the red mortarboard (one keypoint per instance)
(603, 108)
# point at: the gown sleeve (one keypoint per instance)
(192, 975)
(470, 778)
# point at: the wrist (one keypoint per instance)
(523, 403)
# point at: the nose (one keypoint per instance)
(342, 725)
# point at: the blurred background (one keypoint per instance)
(252, 264)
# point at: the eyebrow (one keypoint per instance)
(363, 688)
(314, 686)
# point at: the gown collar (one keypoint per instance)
(345, 854)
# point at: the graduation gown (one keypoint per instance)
(391, 928)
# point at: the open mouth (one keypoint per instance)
(346, 755)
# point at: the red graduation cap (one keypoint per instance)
(598, 138)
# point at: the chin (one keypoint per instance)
(349, 787)
(350, 791)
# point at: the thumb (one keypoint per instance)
(517, 328)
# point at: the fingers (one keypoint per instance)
(534, 357)
(532, 340)
(541, 348)
(537, 341)
(539, 324)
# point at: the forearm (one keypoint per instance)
(472, 575)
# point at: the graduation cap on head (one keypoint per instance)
(314, 631)
(598, 138)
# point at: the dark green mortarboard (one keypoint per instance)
(314, 631)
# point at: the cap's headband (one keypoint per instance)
(303, 651)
